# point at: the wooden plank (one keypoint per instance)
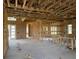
(16, 3)
(8, 3)
(24, 3)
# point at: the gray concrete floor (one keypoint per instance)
(19, 49)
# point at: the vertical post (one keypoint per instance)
(40, 30)
(72, 44)
(16, 3)
(5, 31)
(8, 3)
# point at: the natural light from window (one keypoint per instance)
(53, 30)
(70, 29)
(11, 18)
(45, 28)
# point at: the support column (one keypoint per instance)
(40, 30)
(5, 31)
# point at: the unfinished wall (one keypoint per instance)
(70, 38)
(20, 29)
(73, 22)
(12, 22)
(50, 24)
(45, 32)
(35, 30)
(5, 31)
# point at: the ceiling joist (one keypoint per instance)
(43, 8)
(8, 2)
(24, 3)
(16, 3)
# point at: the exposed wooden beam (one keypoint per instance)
(39, 1)
(52, 4)
(24, 3)
(31, 9)
(46, 4)
(31, 3)
(65, 10)
(8, 2)
(33, 14)
(16, 3)
(64, 5)
(60, 3)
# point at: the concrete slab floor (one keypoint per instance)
(22, 49)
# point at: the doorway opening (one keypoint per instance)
(12, 31)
